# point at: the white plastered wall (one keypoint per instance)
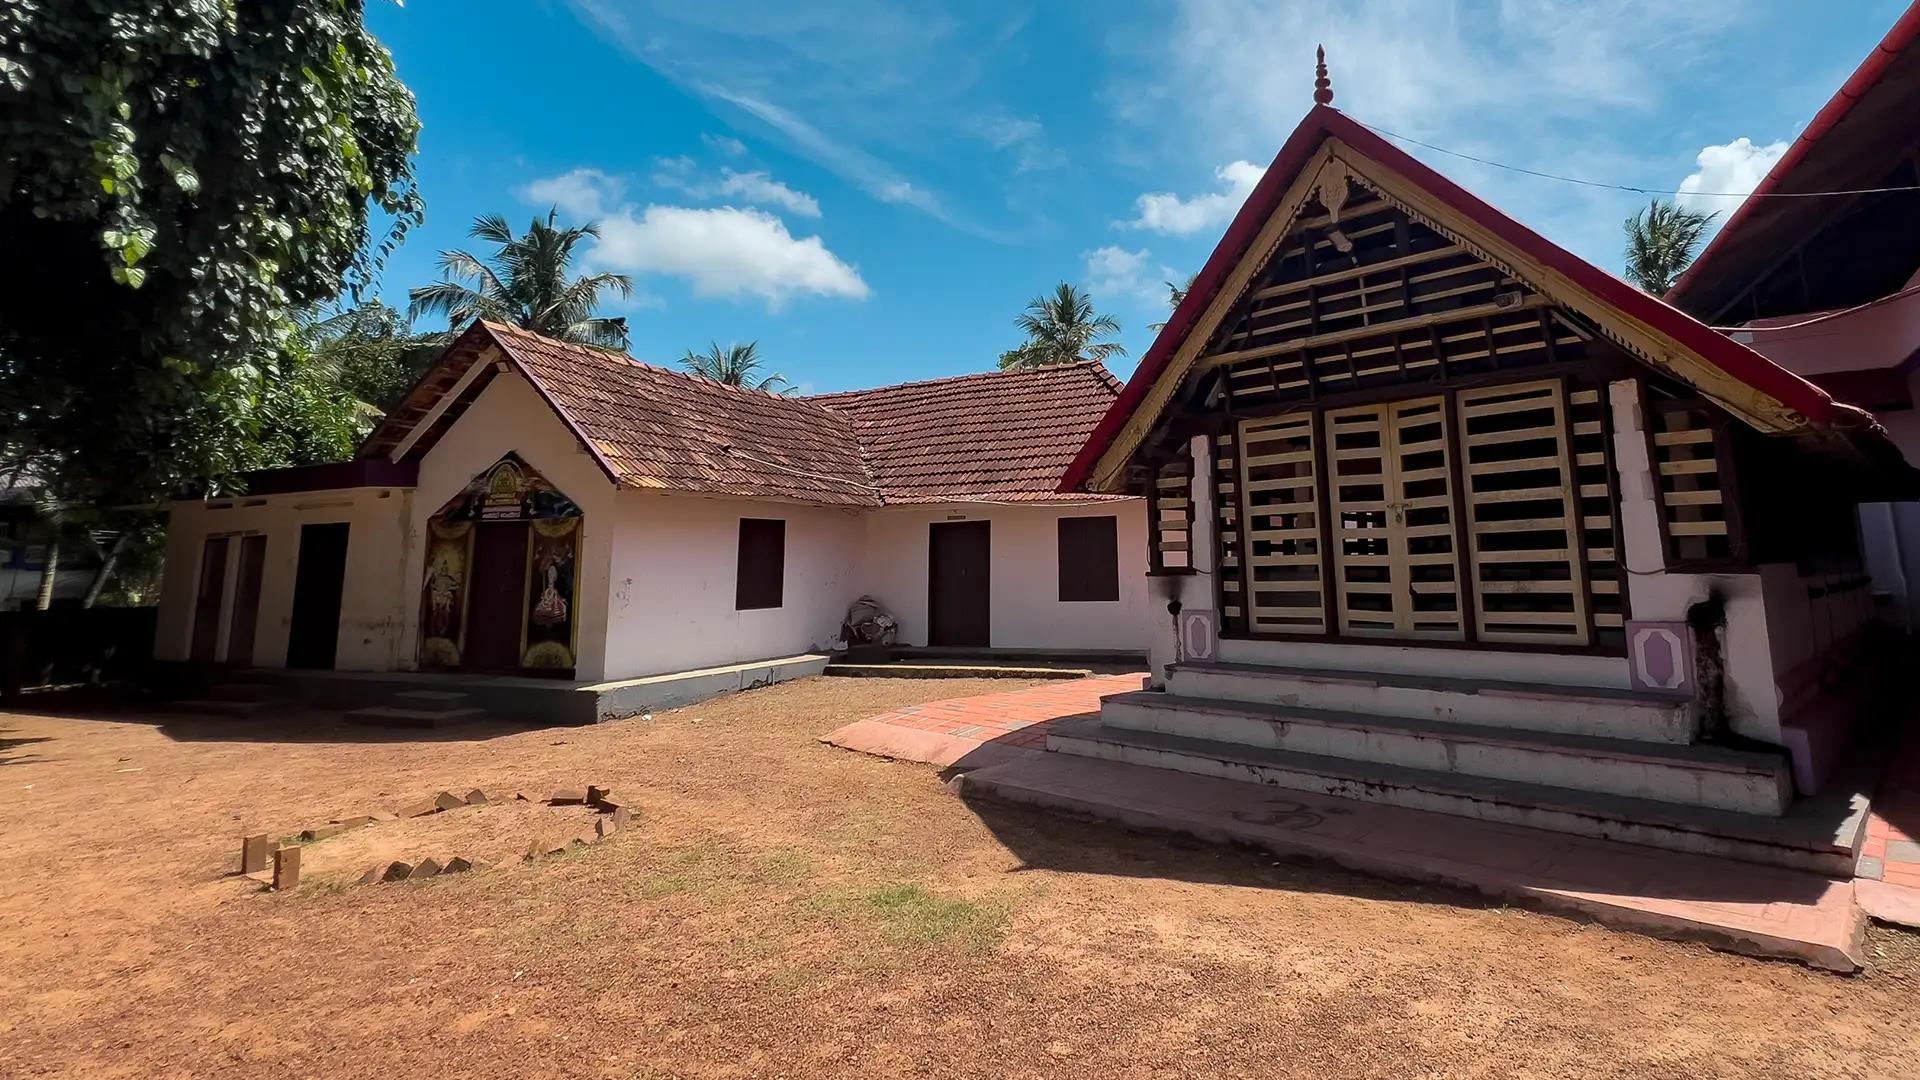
(1025, 610)
(1776, 632)
(373, 632)
(510, 416)
(675, 570)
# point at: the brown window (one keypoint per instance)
(763, 563)
(1089, 559)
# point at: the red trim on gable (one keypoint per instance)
(1904, 33)
(1324, 122)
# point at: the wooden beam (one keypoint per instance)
(1335, 337)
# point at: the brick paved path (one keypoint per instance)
(944, 732)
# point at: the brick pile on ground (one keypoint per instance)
(442, 834)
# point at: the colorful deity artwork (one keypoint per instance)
(551, 600)
(509, 491)
(443, 606)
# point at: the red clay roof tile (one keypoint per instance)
(999, 436)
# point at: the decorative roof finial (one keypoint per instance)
(1322, 86)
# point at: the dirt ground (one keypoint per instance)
(782, 908)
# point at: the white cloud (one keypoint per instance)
(757, 188)
(1165, 212)
(1115, 274)
(866, 105)
(725, 252)
(763, 190)
(1024, 138)
(582, 193)
(1734, 169)
(724, 144)
(1566, 86)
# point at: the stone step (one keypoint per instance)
(441, 697)
(1762, 910)
(1742, 781)
(230, 706)
(398, 717)
(1823, 836)
(894, 669)
(1597, 711)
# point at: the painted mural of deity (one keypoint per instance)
(550, 594)
(449, 548)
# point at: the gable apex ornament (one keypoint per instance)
(1322, 86)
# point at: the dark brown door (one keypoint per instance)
(314, 638)
(496, 604)
(246, 601)
(958, 583)
(206, 602)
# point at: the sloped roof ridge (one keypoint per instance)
(918, 384)
(678, 373)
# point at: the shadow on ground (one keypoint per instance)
(293, 724)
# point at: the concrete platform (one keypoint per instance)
(1757, 910)
(523, 699)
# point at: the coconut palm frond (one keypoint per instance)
(1662, 241)
(1061, 328)
(527, 283)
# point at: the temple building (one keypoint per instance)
(1452, 519)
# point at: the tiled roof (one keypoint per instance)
(999, 436)
(1002, 435)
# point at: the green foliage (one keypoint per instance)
(526, 284)
(371, 351)
(179, 177)
(735, 365)
(1661, 243)
(1061, 328)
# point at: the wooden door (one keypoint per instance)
(496, 601)
(245, 620)
(958, 583)
(206, 600)
(1395, 550)
(314, 637)
(1525, 529)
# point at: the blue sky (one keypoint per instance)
(873, 190)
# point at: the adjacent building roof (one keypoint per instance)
(997, 437)
(1863, 138)
(1002, 435)
(1784, 401)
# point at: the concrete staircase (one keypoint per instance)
(1588, 761)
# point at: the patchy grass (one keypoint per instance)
(909, 915)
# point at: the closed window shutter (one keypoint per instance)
(1089, 559)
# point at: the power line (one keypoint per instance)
(1630, 187)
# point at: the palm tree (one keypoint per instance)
(1061, 328)
(525, 284)
(735, 365)
(1175, 294)
(1661, 241)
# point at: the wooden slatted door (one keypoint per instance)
(1525, 530)
(1276, 491)
(1395, 549)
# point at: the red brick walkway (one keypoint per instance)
(980, 728)
(1888, 875)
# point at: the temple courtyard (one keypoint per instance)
(782, 907)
